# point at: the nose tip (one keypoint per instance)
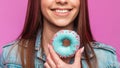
(61, 1)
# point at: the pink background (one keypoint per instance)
(104, 18)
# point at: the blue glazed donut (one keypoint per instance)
(60, 48)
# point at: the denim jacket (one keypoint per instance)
(106, 56)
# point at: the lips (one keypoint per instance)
(61, 11)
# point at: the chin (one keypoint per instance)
(63, 25)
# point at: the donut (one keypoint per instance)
(65, 43)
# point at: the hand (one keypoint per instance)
(54, 61)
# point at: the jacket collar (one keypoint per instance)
(38, 40)
(39, 53)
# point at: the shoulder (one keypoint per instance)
(103, 47)
(9, 51)
(10, 45)
(106, 55)
(9, 56)
(103, 50)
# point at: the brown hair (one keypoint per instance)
(33, 22)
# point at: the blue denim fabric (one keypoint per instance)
(106, 56)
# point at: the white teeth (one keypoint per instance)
(62, 11)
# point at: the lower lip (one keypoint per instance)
(62, 14)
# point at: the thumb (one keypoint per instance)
(78, 55)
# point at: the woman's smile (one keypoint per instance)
(61, 12)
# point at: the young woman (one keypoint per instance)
(44, 18)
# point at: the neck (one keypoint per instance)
(48, 32)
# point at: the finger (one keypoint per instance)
(50, 61)
(78, 55)
(54, 56)
(46, 65)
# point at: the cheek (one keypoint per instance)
(43, 5)
(46, 3)
(75, 3)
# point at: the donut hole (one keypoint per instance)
(66, 42)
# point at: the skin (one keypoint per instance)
(57, 15)
(48, 8)
(54, 61)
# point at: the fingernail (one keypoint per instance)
(82, 49)
(48, 46)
